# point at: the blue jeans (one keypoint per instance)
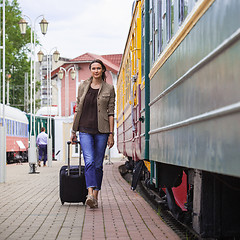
(93, 148)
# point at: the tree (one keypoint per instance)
(17, 53)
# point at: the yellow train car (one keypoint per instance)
(128, 90)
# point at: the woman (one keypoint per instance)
(94, 119)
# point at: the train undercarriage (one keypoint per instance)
(204, 201)
(17, 157)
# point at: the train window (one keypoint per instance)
(8, 127)
(151, 31)
(14, 128)
(159, 22)
(170, 18)
(11, 127)
(154, 31)
(183, 10)
(128, 76)
(17, 129)
(23, 129)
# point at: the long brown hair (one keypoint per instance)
(103, 67)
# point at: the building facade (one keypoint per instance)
(46, 92)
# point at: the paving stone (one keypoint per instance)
(30, 209)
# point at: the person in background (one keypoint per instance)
(94, 119)
(42, 139)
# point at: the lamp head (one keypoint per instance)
(40, 55)
(73, 74)
(56, 56)
(44, 26)
(23, 26)
(60, 74)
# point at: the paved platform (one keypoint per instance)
(30, 209)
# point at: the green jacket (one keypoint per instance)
(105, 104)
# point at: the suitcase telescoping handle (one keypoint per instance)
(68, 168)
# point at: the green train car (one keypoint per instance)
(182, 117)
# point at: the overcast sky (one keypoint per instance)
(80, 26)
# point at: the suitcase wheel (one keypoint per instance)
(62, 202)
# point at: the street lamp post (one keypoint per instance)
(32, 153)
(56, 56)
(73, 75)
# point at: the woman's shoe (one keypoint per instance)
(39, 163)
(90, 201)
(96, 203)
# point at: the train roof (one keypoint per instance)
(45, 111)
(13, 113)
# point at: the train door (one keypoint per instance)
(136, 120)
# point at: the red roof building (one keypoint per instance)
(67, 88)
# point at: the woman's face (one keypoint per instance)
(96, 70)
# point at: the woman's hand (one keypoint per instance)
(110, 140)
(73, 138)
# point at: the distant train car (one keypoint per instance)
(189, 105)
(16, 133)
(128, 90)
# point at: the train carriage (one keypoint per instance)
(188, 106)
(16, 133)
(194, 106)
(128, 91)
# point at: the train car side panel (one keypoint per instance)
(129, 80)
(195, 104)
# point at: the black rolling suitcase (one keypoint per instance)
(72, 181)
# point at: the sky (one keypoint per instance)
(80, 26)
